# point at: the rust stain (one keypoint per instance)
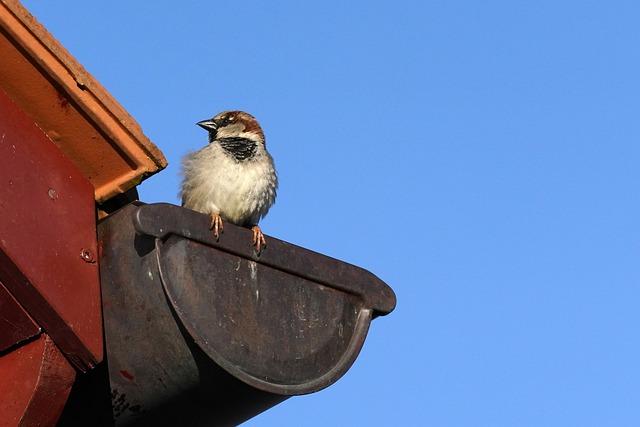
(126, 374)
(63, 102)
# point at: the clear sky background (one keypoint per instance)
(481, 157)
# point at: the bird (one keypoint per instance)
(233, 178)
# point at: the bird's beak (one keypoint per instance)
(208, 125)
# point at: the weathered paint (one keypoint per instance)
(36, 380)
(67, 103)
(15, 324)
(217, 333)
(47, 229)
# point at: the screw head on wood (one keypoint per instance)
(87, 256)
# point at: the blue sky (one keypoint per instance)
(479, 156)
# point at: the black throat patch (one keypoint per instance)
(240, 148)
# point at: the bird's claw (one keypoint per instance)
(258, 239)
(216, 225)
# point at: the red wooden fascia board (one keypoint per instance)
(48, 249)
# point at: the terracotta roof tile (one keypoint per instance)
(71, 107)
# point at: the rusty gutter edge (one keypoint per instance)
(162, 219)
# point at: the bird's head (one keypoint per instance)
(233, 124)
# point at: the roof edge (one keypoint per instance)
(103, 111)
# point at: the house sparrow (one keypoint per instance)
(233, 178)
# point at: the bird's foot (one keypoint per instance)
(216, 225)
(258, 239)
